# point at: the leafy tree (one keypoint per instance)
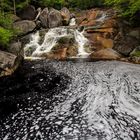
(128, 8)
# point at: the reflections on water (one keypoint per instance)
(101, 102)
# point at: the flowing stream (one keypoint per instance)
(55, 100)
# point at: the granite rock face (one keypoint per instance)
(54, 18)
(44, 18)
(24, 26)
(7, 63)
(27, 13)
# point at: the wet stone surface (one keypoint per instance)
(53, 100)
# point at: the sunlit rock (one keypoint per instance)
(105, 54)
(65, 15)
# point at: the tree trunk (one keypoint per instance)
(14, 4)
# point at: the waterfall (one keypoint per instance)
(34, 49)
(37, 49)
(82, 41)
(33, 45)
(50, 40)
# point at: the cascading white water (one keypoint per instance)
(33, 45)
(50, 40)
(34, 49)
(72, 22)
(82, 41)
(102, 18)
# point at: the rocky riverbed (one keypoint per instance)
(66, 100)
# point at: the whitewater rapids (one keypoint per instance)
(100, 102)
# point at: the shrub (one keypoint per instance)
(5, 36)
(5, 20)
(6, 29)
(128, 8)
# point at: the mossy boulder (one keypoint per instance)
(72, 51)
(66, 40)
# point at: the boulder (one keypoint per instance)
(24, 26)
(135, 33)
(65, 13)
(44, 18)
(110, 23)
(54, 18)
(28, 13)
(64, 42)
(7, 63)
(57, 54)
(79, 20)
(125, 44)
(105, 54)
(107, 43)
(72, 51)
(68, 40)
(98, 42)
(93, 14)
(16, 48)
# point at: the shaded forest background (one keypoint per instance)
(128, 9)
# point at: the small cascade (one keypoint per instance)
(33, 45)
(34, 49)
(82, 41)
(50, 40)
(102, 18)
(72, 22)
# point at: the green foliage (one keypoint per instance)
(49, 3)
(136, 53)
(5, 5)
(85, 4)
(5, 20)
(128, 8)
(5, 36)
(8, 5)
(81, 4)
(6, 29)
(22, 4)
